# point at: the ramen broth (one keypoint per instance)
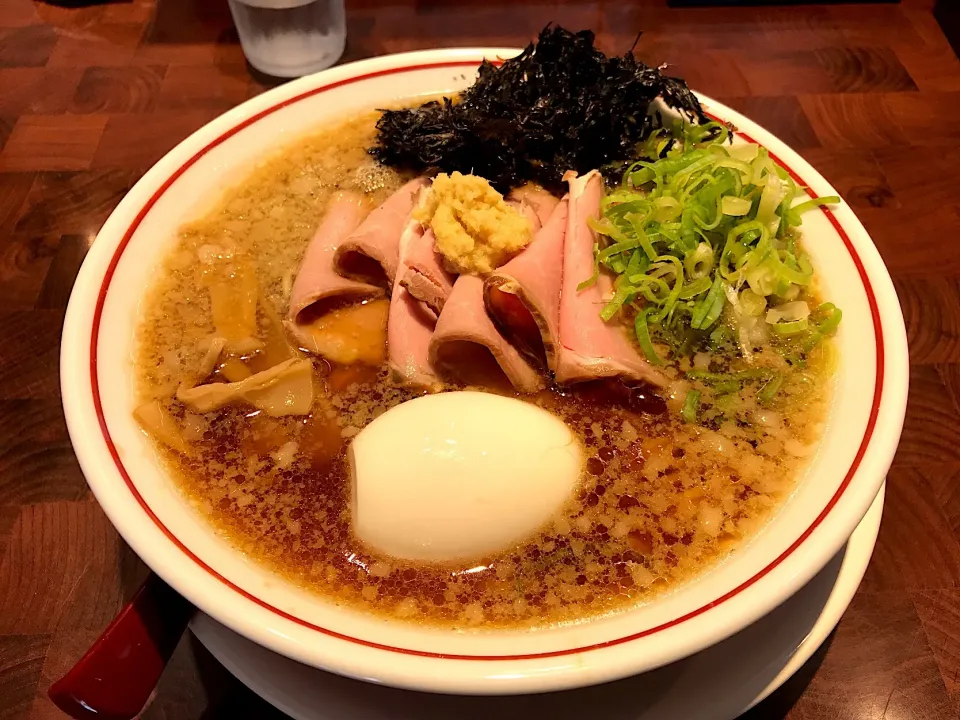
(660, 501)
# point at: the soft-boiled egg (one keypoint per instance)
(460, 475)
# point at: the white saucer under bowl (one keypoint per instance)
(718, 683)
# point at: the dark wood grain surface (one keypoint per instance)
(91, 97)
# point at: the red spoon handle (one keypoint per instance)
(115, 677)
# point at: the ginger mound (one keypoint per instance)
(476, 229)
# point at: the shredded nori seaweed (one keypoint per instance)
(560, 105)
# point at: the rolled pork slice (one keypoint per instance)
(523, 296)
(468, 346)
(370, 252)
(410, 324)
(318, 285)
(425, 277)
(590, 348)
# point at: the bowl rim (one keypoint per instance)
(885, 421)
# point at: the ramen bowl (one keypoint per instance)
(164, 529)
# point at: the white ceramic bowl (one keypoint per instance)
(145, 506)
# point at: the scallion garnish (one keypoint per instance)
(701, 237)
(691, 404)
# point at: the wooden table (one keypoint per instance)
(91, 97)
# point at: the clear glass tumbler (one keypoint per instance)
(290, 38)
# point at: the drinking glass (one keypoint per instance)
(290, 38)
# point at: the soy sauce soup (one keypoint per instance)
(660, 500)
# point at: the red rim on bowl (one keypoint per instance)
(95, 334)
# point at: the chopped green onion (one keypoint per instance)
(735, 206)
(671, 263)
(832, 319)
(726, 386)
(769, 391)
(636, 222)
(746, 153)
(690, 290)
(698, 226)
(699, 263)
(616, 264)
(826, 326)
(773, 193)
(803, 207)
(649, 286)
(790, 328)
(621, 295)
(666, 209)
(589, 281)
(713, 313)
(752, 303)
(707, 307)
(596, 271)
(691, 404)
(611, 250)
(643, 338)
(720, 337)
(762, 280)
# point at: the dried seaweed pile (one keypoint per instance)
(560, 105)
